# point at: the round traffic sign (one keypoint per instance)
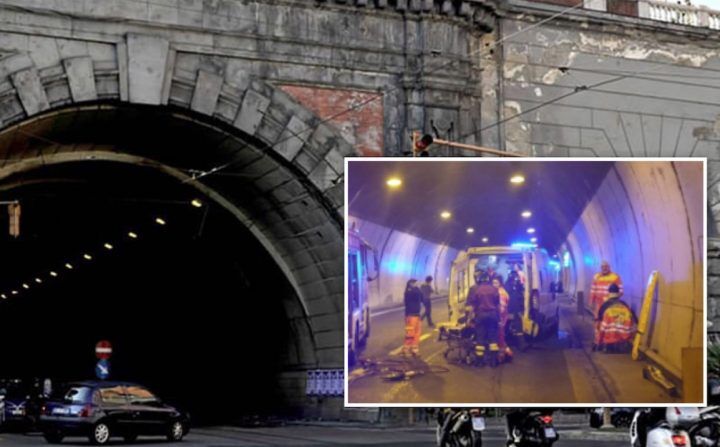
(103, 350)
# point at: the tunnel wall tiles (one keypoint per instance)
(403, 256)
(648, 216)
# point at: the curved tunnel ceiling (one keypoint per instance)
(479, 195)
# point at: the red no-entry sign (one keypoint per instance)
(103, 349)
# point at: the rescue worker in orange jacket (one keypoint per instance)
(599, 288)
(615, 323)
(485, 302)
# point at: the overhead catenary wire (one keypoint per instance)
(577, 89)
(392, 88)
(198, 174)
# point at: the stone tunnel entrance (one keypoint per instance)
(220, 307)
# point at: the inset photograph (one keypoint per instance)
(495, 281)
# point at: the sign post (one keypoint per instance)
(103, 351)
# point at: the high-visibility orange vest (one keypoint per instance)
(599, 288)
(617, 324)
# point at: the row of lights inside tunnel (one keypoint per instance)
(517, 179)
(86, 256)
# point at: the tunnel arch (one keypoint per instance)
(285, 189)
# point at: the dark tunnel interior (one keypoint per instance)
(193, 308)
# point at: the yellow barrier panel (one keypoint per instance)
(644, 319)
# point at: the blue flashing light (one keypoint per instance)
(588, 260)
(397, 266)
(523, 245)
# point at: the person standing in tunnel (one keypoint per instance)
(413, 300)
(485, 301)
(517, 269)
(600, 284)
(505, 351)
(427, 291)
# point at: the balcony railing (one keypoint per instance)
(671, 12)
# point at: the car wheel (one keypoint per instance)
(176, 431)
(100, 434)
(53, 438)
(130, 438)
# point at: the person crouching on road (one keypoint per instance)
(614, 324)
(485, 300)
(413, 301)
(503, 317)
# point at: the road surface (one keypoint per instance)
(558, 371)
(305, 436)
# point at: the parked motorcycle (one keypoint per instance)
(534, 429)
(652, 428)
(460, 427)
(706, 432)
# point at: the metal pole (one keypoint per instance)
(469, 147)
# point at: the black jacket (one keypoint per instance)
(413, 300)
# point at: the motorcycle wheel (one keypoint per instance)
(705, 433)
(472, 439)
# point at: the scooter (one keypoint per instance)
(706, 432)
(460, 427)
(535, 429)
(670, 431)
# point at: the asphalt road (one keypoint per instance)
(558, 371)
(304, 436)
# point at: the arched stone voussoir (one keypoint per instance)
(146, 76)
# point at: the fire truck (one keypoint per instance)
(362, 275)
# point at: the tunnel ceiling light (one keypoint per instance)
(25, 286)
(196, 203)
(526, 214)
(470, 230)
(132, 235)
(108, 246)
(394, 182)
(160, 221)
(485, 239)
(38, 280)
(87, 257)
(446, 214)
(533, 239)
(68, 266)
(517, 179)
(53, 274)
(531, 230)
(3, 296)
(14, 292)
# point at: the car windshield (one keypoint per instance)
(139, 395)
(16, 390)
(113, 395)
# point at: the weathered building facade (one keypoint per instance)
(286, 89)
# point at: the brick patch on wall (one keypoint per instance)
(362, 127)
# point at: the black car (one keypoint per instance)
(22, 404)
(102, 409)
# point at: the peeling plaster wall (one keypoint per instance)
(663, 108)
(645, 217)
(403, 256)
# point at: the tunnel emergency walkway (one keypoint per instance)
(555, 224)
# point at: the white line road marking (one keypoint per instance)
(397, 351)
